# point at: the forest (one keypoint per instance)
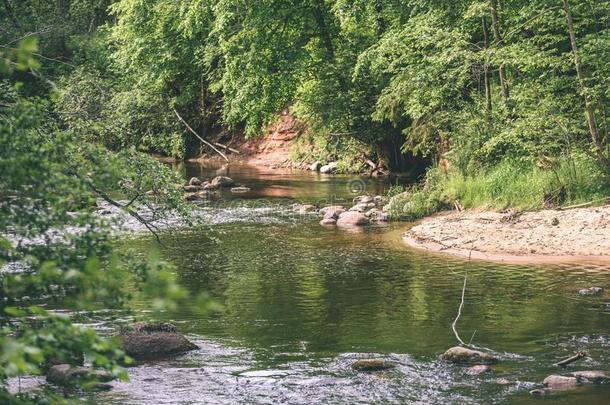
(502, 104)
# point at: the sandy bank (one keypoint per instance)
(547, 236)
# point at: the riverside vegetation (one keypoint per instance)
(501, 103)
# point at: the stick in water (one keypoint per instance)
(571, 359)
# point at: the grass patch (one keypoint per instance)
(510, 184)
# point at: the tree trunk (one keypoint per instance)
(499, 42)
(593, 130)
(486, 69)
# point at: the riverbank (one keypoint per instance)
(546, 236)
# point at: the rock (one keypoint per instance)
(560, 382)
(459, 354)
(362, 207)
(315, 166)
(194, 181)
(206, 185)
(191, 197)
(324, 210)
(191, 189)
(372, 365)
(222, 181)
(67, 375)
(378, 199)
(554, 222)
(328, 221)
(332, 212)
(539, 392)
(352, 218)
(329, 168)
(240, 189)
(478, 369)
(150, 340)
(365, 199)
(376, 215)
(503, 381)
(590, 291)
(307, 208)
(591, 376)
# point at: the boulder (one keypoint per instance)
(328, 221)
(362, 207)
(191, 188)
(463, 355)
(315, 166)
(222, 181)
(324, 210)
(67, 375)
(590, 291)
(478, 369)
(152, 340)
(194, 181)
(560, 382)
(376, 215)
(591, 376)
(372, 365)
(329, 168)
(206, 185)
(240, 189)
(352, 218)
(363, 199)
(333, 213)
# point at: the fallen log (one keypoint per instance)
(225, 147)
(198, 137)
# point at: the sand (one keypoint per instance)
(574, 235)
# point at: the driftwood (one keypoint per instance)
(225, 147)
(200, 138)
(583, 205)
(571, 359)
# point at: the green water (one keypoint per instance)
(301, 302)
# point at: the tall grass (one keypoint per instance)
(510, 184)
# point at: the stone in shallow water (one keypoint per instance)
(372, 365)
(560, 382)
(478, 369)
(352, 218)
(150, 340)
(591, 376)
(315, 166)
(67, 375)
(328, 221)
(458, 354)
(590, 291)
(222, 181)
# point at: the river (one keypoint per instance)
(301, 302)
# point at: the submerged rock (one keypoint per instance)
(560, 382)
(591, 376)
(315, 166)
(240, 189)
(328, 208)
(328, 221)
(478, 369)
(151, 340)
(194, 181)
(459, 354)
(590, 291)
(372, 365)
(329, 168)
(67, 375)
(352, 218)
(222, 181)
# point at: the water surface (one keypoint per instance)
(301, 302)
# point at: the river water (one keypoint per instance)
(301, 302)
